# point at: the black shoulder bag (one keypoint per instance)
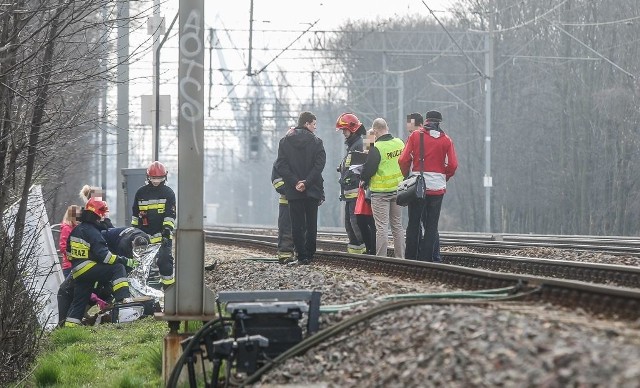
(414, 186)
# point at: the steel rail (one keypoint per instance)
(615, 245)
(599, 299)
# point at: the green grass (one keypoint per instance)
(110, 355)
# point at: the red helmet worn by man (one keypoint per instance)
(156, 173)
(97, 206)
(348, 121)
(157, 170)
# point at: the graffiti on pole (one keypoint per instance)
(190, 85)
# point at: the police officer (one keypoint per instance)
(382, 173)
(154, 212)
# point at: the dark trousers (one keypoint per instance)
(367, 225)
(424, 215)
(84, 285)
(65, 297)
(304, 226)
(351, 223)
(285, 238)
(165, 262)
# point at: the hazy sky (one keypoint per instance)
(295, 13)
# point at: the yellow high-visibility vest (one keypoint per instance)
(388, 175)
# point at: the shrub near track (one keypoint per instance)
(109, 355)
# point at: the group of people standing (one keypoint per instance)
(96, 256)
(374, 164)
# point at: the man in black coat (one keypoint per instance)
(301, 159)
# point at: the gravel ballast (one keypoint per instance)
(510, 344)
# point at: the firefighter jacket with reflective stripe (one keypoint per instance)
(381, 169)
(278, 184)
(349, 180)
(154, 208)
(87, 247)
(120, 240)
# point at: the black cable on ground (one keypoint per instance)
(340, 327)
(195, 339)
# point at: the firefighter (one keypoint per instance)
(123, 241)
(285, 237)
(352, 129)
(93, 262)
(154, 212)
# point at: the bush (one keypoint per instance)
(20, 332)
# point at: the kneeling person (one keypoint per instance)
(93, 262)
(124, 241)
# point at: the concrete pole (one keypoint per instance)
(103, 104)
(401, 113)
(249, 71)
(384, 85)
(123, 105)
(488, 66)
(155, 125)
(188, 298)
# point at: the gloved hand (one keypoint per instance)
(131, 263)
(101, 303)
(166, 232)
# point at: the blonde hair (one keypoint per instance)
(72, 215)
(88, 191)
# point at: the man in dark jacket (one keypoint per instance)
(301, 159)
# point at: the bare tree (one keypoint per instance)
(564, 108)
(49, 82)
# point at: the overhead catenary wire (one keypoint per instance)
(286, 48)
(535, 19)
(596, 24)
(556, 25)
(482, 74)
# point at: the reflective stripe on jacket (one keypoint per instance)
(87, 247)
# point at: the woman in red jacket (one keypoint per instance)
(69, 221)
(438, 165)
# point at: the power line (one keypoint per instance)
(626, 21)
(589, 48)
(455, 42)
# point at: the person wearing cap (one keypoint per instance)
(415, 122)
(301, 160)
(438, 166)
(382, 174)
(349, 169)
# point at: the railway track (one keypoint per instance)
(602, 289)
(487, 242)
